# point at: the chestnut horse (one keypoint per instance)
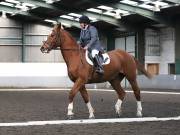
(80, 72)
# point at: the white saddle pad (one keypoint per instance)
(105, 56)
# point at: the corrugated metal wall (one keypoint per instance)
(127, 44)
(10, 40)
(21, 42)
(33, 35)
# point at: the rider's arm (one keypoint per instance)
(80, 42)
(94, 36)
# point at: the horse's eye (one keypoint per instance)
(52, 34)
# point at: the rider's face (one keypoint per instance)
(82, 25)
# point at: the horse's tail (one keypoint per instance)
(141, 68)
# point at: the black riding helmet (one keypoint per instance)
(84, 19)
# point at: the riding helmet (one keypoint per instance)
(84, 19)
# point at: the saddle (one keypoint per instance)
(104, 58)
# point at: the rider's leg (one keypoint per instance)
(97, 61)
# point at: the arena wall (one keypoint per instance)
(54, 75)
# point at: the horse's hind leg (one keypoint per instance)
(85, 96)
(121, 93)
(137, 95)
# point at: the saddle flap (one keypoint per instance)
(104, 58)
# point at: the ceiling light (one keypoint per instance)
(147, 6)
(129, 2)
(67, 17)
(22, 7)
(66, 25)
(95, 10)
(51, 21)
(109, 13)
(157, 8)
(121, 11)
(28, 5)
(118, 15)
(13, 1)
(93, 19)
(105, 7)
(49, 1)
(74, 14)
(7, 4)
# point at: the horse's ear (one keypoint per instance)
(59, 25)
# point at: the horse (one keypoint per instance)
(122, 65)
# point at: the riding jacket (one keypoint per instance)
(89, 37)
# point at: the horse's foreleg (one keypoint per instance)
(77, 85)
(138, 96)
(121, 94)
(85, 96)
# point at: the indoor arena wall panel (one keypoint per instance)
(10, 53)
(33, 54)
(10, 40)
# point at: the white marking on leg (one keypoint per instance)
(139, 109)
(70, 109)
(118, 107)
(91, 110)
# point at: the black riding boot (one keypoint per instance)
(99, 67)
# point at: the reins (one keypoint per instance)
(66, 49)
(69, 49)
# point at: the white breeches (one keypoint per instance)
(94, 52)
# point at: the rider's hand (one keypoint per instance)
(85, 48)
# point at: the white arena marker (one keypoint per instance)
(88, 121)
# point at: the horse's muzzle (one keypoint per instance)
(44, 50)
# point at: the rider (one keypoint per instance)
(89, 40)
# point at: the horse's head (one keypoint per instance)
(53, 40)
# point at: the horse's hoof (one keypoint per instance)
(139, 114)
(70, 117)
(93, 117)
(118, 115)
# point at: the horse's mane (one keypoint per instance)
(71, 37)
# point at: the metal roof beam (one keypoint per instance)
(174, 1)
(13, 10)
(143, 12)
(105, 18)
(41, 4)
(138, 10)
(102, 17)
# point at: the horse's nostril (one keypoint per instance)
(42, 49)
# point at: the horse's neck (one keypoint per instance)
(69, 55)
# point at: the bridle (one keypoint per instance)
(58, 42)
